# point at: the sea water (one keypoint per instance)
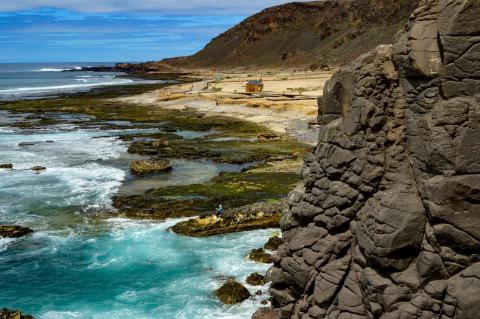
(30, 80)
(78, 266)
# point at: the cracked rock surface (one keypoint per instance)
(387, 222)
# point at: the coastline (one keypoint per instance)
(271, 158)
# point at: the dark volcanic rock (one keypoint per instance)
(256, 279)
(38, 169)
(232, 292)
(13, 314)
(10, 231)
(260, 255)
(6, 166)
(387, 223)
(273, 243)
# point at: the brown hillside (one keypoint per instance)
(305, 34)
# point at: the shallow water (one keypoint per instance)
(74, 266)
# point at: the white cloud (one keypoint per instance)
(198, 7)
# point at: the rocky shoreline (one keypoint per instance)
(245, 218)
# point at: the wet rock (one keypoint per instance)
(38, 169)
(256, 279)
(273, 243)
(13, 314)
(12, 231)
(6, 166)
(24, 144)
(245, 218)
(260, 255)
(232, 292)
(144, 167)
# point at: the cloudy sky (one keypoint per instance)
(114, 30)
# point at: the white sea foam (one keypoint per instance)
(42, 89)
(57, 69)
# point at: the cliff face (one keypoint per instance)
(313, 33)
(387, 224)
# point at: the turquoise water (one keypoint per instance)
(78, 266)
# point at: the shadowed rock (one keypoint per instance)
(14, 231)
(232, 292)
(260, 255)
(6, 166)
(387, 222)
(255, 279)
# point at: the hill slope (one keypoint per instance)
(304, 34)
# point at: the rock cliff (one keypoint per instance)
(387, 223)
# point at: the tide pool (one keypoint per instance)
(78, 266)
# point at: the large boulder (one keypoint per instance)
(6, 166)
(232, 292)
(144, 167)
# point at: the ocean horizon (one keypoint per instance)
(36, 80)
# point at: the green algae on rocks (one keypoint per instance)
(249, 217)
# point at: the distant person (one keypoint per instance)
(217, 102)
(219, 210)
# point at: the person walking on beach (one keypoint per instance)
(217, 102)
(219, 211)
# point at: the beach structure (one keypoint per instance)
(254, 86)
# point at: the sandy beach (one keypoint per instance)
(287, 105)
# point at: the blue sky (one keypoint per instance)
(114, 30)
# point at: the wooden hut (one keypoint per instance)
(254, 86)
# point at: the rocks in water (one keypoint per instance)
(232, 292)
(249, 217)
(38, 169)
(24, 144)
(387, 221)
(260, 255)
(256, 279)
(6, 166)
(13, 314)
(144, 167)
(12, 231)
(273, 243)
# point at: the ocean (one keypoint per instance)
(31, 80)
(78, 266)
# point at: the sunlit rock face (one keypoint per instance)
(387, 223)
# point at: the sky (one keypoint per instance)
(114, 30)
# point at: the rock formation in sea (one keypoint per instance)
(13, 314)
(13, 231)
(387, 223)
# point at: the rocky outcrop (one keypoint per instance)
(10, 231)
(249, 217)
(6, 166)
(13, 314)
(273, 243)
(387, 223)
(260, 255)
(144, 167)
(255, 279)
(232, 292)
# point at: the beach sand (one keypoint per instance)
(288, 104)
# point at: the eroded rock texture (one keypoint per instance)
(387, 224)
